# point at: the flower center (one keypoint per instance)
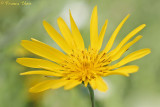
(85, 65)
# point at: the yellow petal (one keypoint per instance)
(123, 70)
(42, 72)
(58, 53)
(131, 57)
(60, 83)
(101, 35)
(128, 37)
(43, 50)
(48, 84)
(38, 63)
(93, 83)
(124, 49)
(42, 86)
(114, 35)
(72, 84)
(66, 32)
(94, 28)
(86, 83)
(57, 37)
(76, 34)
(101, 85)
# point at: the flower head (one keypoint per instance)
(79, 64)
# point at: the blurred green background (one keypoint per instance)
(19, 22)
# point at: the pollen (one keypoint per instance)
(85, 65)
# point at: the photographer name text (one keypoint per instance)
(9, 3)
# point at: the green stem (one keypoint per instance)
(91, 95)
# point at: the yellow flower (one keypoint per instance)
(79, 64)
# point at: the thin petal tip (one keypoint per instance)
(95, 7)
(126, 74)
(106, 21)
(44, 22)
(59, 18)
(144, 25)
(128, 15)
(69, 11)
(32, 91)
(149, 50)
(104, 90)
(137, 68)
(23, 42)
(17, 60)
(21, 74)
(140, 36)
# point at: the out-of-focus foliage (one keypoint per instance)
(141, 89)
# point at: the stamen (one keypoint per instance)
(85, 64)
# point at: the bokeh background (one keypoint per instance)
(19, 22)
